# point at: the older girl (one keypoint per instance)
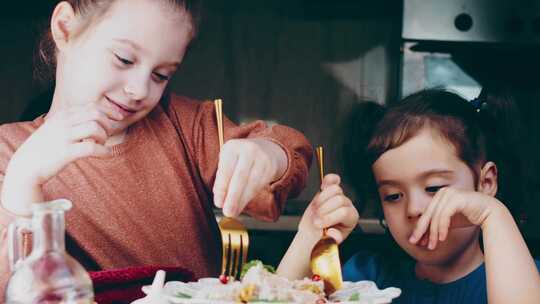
(140, 165)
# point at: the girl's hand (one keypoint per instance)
(246, 166)
(453, 208)
(64, 137)
(330, 209)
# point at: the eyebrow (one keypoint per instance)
(436, 172)
(129, 42)
(140, 49)
(424, 175)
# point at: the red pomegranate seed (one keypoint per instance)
(316, 277)
(223, 279)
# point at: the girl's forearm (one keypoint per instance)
(295, 262)
(19, 190)
(512, 276)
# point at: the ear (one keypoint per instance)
(488, 183)
(63, 24)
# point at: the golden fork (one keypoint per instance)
(234, 236)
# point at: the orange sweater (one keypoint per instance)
(150, 202)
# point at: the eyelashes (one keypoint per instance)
(435, 189)
(158, 77)
(395, 197)
(392, 197)
(123, 61)
(161, 77)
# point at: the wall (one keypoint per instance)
(299, 63)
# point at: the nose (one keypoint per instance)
(417, 204)
(137, 87)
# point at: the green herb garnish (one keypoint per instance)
(252, 263)
(182, 295)
(355, 297)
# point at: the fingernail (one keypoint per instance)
(412, 239)
(218, 202)
(231, 212)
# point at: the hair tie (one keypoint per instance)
(478, 104)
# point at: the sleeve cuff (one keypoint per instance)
(289, 173)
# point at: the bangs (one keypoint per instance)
(392, 131)
(446, 115)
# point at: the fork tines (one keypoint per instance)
(235, 241)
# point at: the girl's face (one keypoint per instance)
(124, 59)
(407, 178)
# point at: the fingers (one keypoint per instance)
(332, 208)
(435, 224)
(336, 234)
(444, 216)
(449, 206)
(235, 188)
(424, 222)
(86, 149)
(343, 215)
(438, 218)
(329, 180)
(244, 169)
(88, 130)
(92, 112)
(327, 193)
(227, 163)
(255, 182)
(329, 204)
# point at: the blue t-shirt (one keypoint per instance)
(469, 289)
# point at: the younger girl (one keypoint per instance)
(142, 167)
(433, 164)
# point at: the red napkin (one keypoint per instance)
(124, 285)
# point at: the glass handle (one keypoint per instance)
(16, 241)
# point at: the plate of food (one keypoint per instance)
(258, 284)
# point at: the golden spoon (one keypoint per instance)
(325, 255)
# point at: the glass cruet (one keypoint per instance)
(48, 274)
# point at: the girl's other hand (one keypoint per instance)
(330, 209)
(245, 168)
(453, 208)
(65, 136)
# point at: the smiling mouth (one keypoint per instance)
(120, 108)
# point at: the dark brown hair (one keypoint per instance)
(91, 11)
(448, 114)
(470, 127)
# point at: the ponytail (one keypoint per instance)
(358, 129)
(501, 122)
